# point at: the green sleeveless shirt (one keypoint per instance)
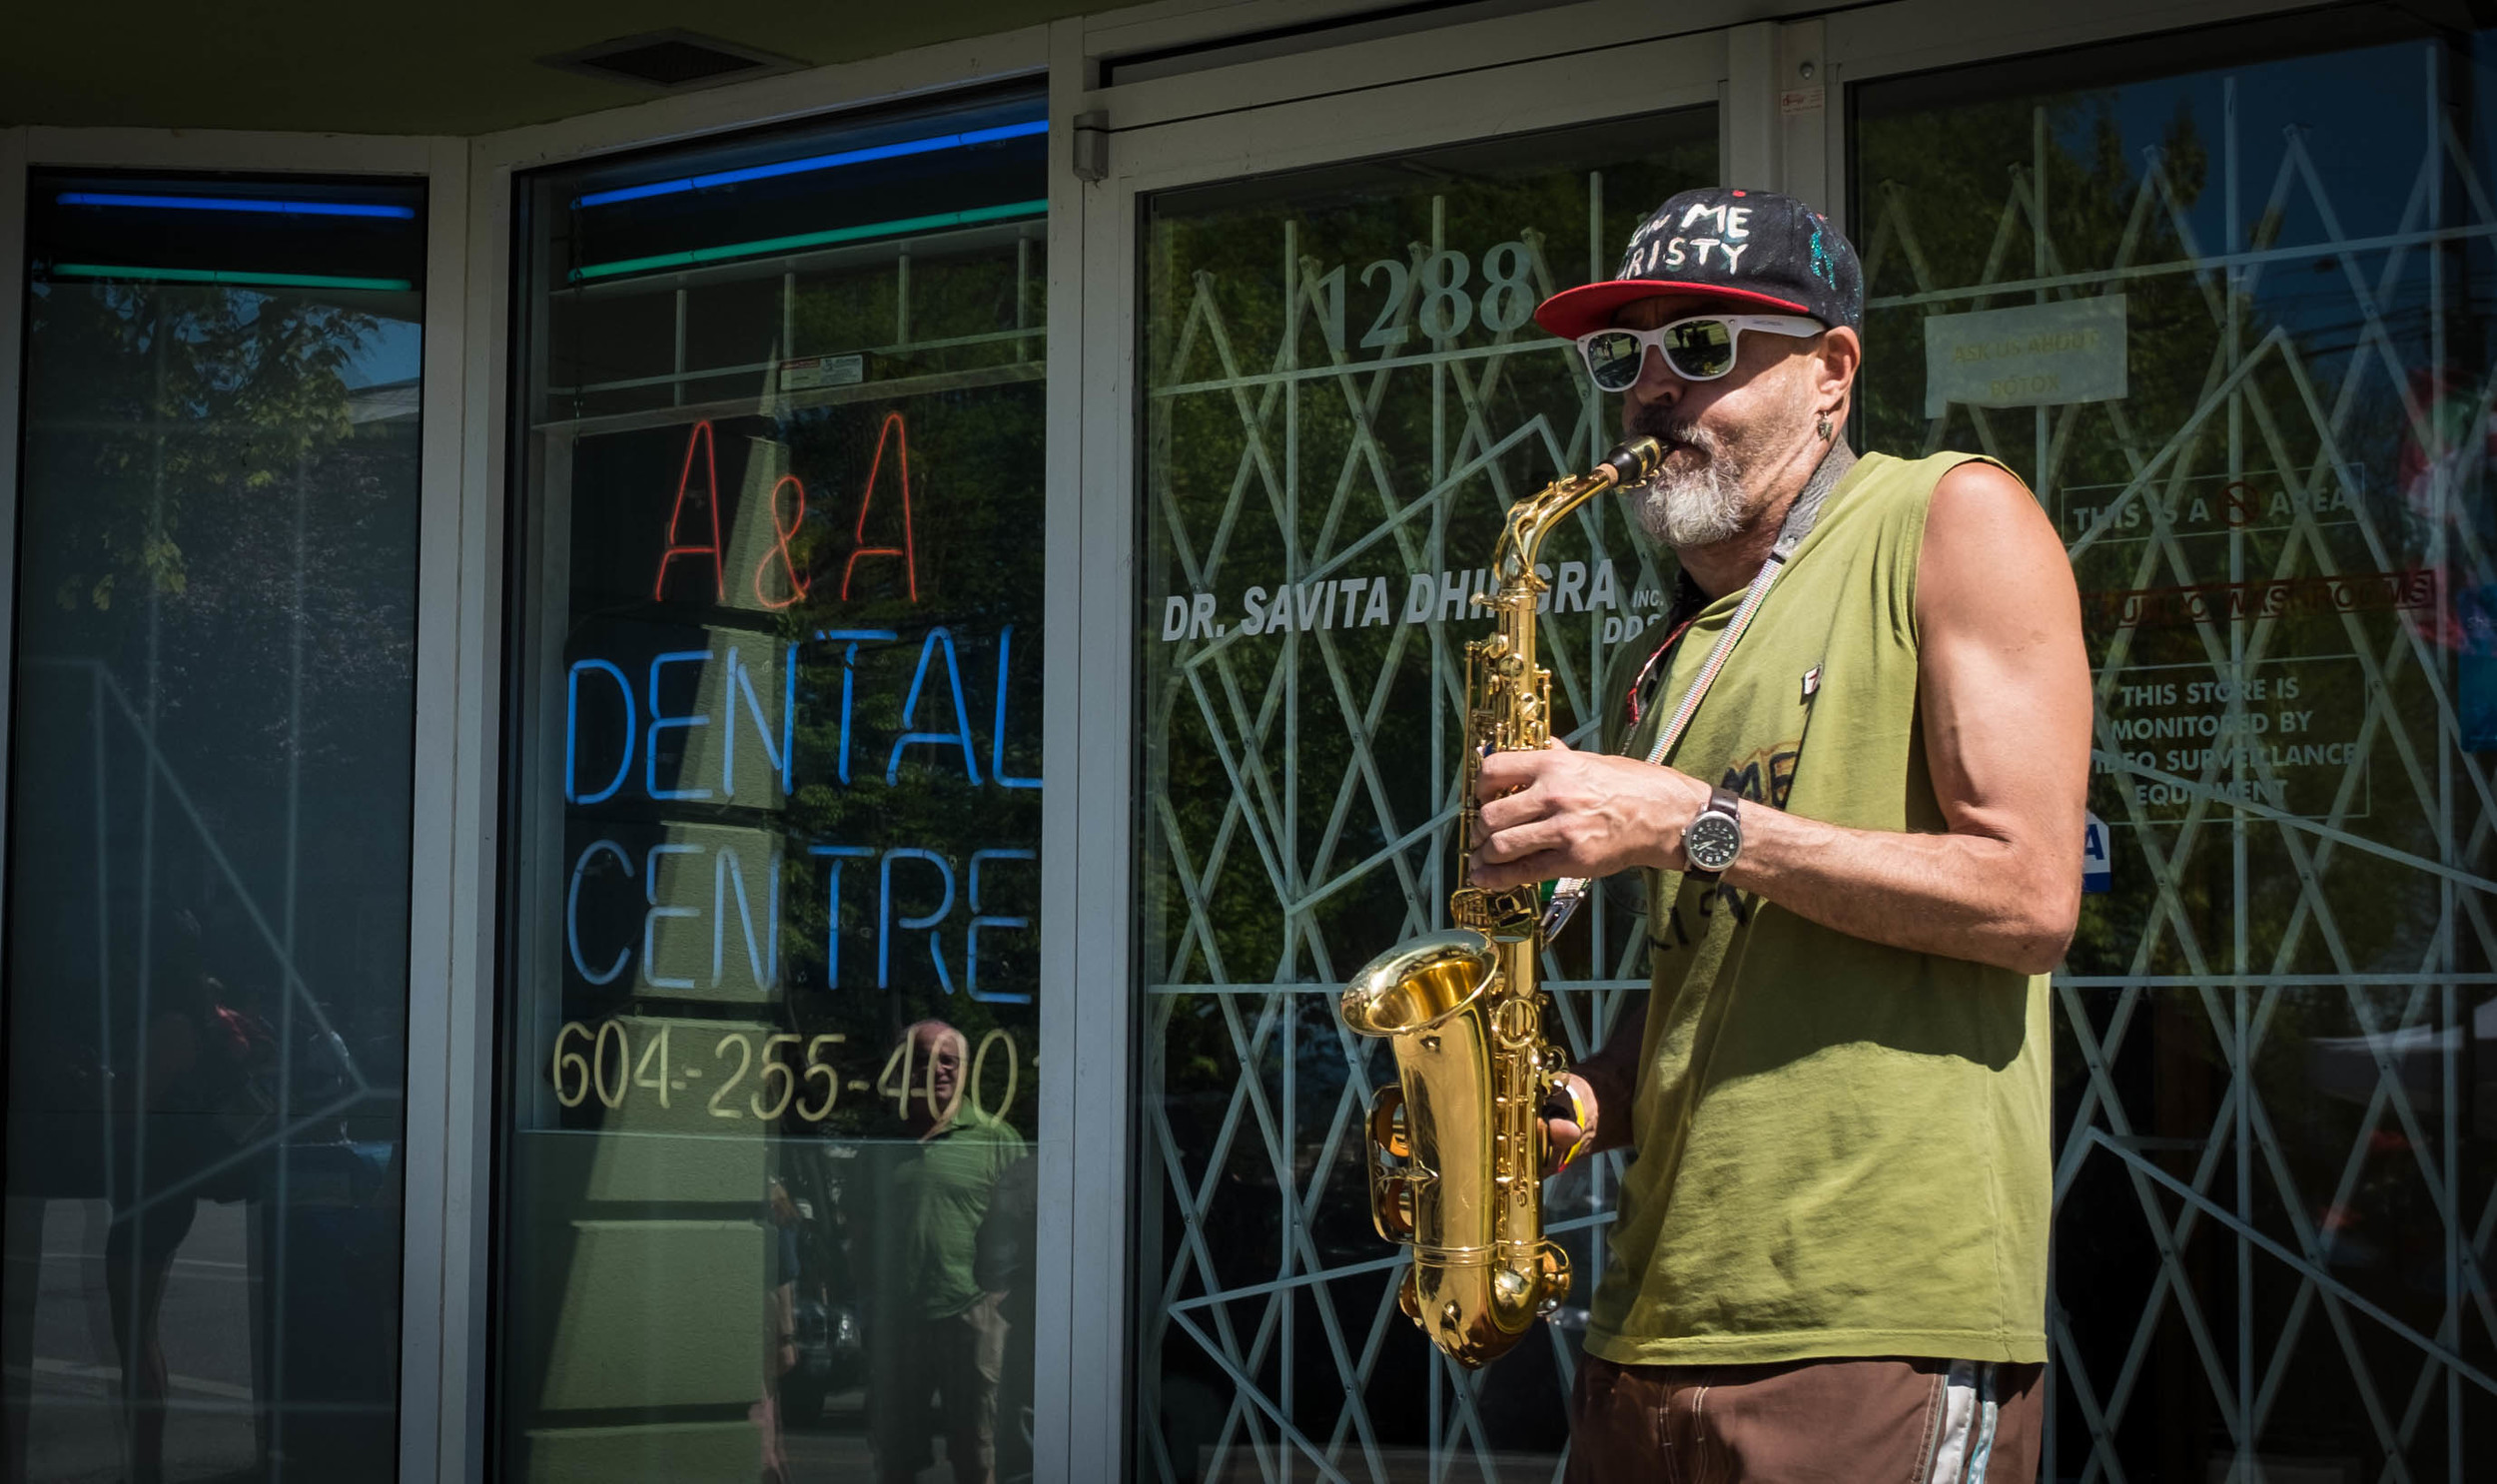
(1842, 1146)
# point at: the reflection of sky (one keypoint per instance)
(392, 353)
(2363, 117)
(2363, 113)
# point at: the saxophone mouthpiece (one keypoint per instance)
(1635, 463)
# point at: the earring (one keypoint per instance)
(1823, 431)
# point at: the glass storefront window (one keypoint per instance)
(209, 813)
(2224, 302)
(1343, 392)
(772, 913)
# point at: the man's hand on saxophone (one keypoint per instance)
(1559, 811)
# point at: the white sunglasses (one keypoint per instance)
(1698, 348)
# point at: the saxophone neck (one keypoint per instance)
(1535, 517)
(1532, 520)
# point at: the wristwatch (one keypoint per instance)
(1713, 840)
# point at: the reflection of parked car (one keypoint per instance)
(827, 1334)
(2412, 1060)
(832, 1356)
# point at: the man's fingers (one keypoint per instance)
(1503, 771)
(1512, 810)
(1535, 837)
(1559, 1136)
(1496, 876)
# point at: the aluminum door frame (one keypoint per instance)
(1437, 103)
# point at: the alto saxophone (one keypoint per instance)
(1457, 1146)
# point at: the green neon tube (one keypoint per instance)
(811, 240)
(232, 277)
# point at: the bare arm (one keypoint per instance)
(2003, 687)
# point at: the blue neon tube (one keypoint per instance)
(814, 161)
(235, 204)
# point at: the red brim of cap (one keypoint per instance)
(1589, 306)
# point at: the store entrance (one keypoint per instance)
(1341, 391)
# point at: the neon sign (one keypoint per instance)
(736, 916)
(701, 438)
(781, 536)
(704, 722)
(900, 435)
(792, 583)
(643, 734)
(715, 179)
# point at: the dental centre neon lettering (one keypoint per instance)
(960, 736)
(661, 721)
(739, 686)
(762, 950)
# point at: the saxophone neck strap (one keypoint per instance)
(1800, 518)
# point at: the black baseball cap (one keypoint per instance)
(1755, 250)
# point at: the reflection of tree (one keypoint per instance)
(1935, 179)
(194, 425)
(976, 499)
(249, 382)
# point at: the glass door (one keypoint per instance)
(1339, 392)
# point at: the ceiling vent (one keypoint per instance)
(678, 60)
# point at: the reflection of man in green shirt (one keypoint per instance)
(932, 1331)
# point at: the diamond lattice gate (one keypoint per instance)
(2274, 1184)
(1346, 393)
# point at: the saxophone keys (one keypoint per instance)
(1387, 1132)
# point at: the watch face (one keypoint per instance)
(1712, 842)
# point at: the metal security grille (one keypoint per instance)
(2274, 1185)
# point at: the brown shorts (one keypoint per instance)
(1808, 1422)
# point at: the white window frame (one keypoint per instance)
(495, 161)
(438, 991)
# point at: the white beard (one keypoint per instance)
(1700, 507)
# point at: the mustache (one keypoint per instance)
(1664, 428)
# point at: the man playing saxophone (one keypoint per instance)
(1861, 853)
